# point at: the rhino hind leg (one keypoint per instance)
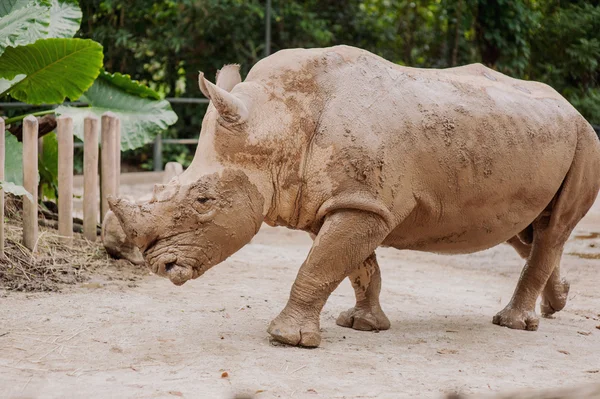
(367, 314)
(522, 248)
(551, 231)
(555, 293)
(339, 248)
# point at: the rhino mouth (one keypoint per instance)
(178, 269)
(176, 258)
(178, 274)
(167, 265)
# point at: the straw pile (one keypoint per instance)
(53, 264)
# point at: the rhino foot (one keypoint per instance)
(517, 319)
(554, 298)
(364, 319)
(291, 331)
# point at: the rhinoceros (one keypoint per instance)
(362, 153)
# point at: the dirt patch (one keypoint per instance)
(151, 339)
(583, 255)
(588, 236)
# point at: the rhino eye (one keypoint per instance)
(204, 206)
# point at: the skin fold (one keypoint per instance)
(362, 153)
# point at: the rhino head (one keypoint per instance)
(206, 214)
(186, 229)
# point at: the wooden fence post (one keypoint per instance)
(30, 181)
(65, 176)
(108, 173)
(90, 176)
(118, 157)
(2, 162)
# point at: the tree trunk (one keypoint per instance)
(486, 11)
(459, 11)
(46, 123)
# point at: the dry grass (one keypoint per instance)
(54, 263)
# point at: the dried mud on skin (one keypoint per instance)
(55, 264)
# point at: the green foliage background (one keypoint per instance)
(165, 43)
(41, 64)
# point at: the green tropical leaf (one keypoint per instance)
(125, 83)
(13, 171)
(14, 189)
(8, 6)
(65, 18)
(55, 69)
(141, 118)
(6, 84)
(23, 25)
(48, 167)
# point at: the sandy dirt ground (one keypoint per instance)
(150, 339)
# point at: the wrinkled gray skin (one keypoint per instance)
(360, 153)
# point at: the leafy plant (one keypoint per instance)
(14, 189)
(13, 176)
(48, 166)
(13, 160)
(138, 107)
(41, 63)
(53, 69)
(22, 23)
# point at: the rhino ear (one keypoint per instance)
(230, 107)
(164, 192)
(228, 77)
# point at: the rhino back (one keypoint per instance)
(481, 153)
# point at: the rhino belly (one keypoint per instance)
(465, 230)
(465, 218)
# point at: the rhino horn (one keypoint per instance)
(230, 107)
(137, 225)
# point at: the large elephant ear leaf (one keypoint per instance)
(8, 6)
(65, 18)
(55, 69)
(142, 118)
(22, 23)
(13, 172)
(125, 83)
(14, 189)
(6, 84)
(13, 159)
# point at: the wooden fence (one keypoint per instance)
(110, 169)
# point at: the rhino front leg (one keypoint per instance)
(367, 315)
(345, 240)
